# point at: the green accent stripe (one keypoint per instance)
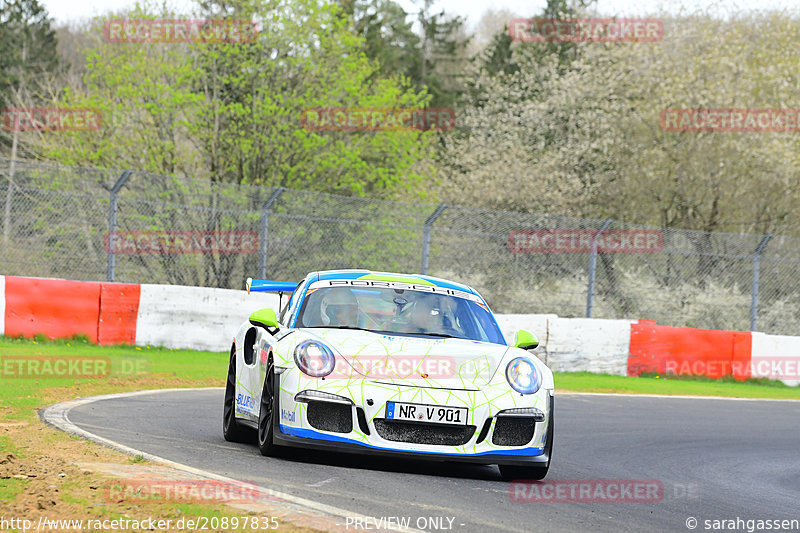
(399, 279)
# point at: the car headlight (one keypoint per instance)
(314, 358)
(523, 376)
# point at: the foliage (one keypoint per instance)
(27, 54)
(231, 112)
(427, 48)
(580, 134)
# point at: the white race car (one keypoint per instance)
(391, 365)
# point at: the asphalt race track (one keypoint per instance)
(717, 459)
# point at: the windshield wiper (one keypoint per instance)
(445, 335)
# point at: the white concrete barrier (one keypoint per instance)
(589, 344)
(195, 317)
(206, 319)
(775, 357)
(536, 324)
(575, 344)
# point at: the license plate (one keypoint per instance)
(415, 412)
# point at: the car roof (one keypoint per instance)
(391, 276)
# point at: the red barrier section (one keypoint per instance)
(105, 312)
(688, 351)
(119, 307)
(742, 354)
(56, 308)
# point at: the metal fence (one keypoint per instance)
(132, 226)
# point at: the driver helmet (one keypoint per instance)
(339, 307)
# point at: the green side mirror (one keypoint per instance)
(526, 340)
(265, 318)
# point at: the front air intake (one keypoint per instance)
(415, 433)
(333, 417)
(513, 430)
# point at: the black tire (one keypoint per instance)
(512, 472)
(231, 429)
(266, 413)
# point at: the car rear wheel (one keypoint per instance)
(231, 429)
(266, 413)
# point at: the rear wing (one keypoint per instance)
(266, 285)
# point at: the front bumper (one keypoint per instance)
(347, 446)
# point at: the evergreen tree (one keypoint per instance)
(431, 56)
(27, 47)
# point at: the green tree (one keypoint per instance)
(28, 57)
(144, 94)
(711, 181)
(500, 57)
(231, 112)
(389, 38)
(443, 49)
(306, 57)
(428, 48)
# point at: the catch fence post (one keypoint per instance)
(756, 273)
(262, 252)
(593, 268)
(112, 223)
(426, 238)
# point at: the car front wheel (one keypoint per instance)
(231, 429)
(266, 412)
(512, 472)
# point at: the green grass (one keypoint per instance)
(124, 368)
(10, 488)
(133, 368)
(674, 385)
(6, 446)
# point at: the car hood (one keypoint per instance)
(411, 360)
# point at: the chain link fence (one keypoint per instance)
(137, 227)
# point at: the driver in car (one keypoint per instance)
(339, 307)
(425, 318)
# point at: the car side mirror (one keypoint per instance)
(265, 318)
(526, 340)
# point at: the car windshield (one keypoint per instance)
(398, 311)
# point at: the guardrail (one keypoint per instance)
(205, 318)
